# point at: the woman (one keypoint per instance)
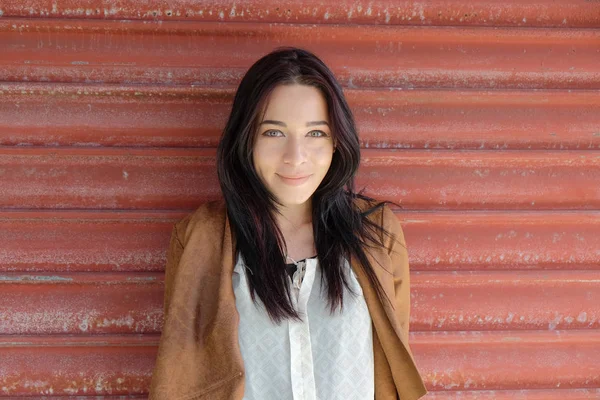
(293, 286)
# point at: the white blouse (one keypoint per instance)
(328, 357)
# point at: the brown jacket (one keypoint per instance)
(199, 355)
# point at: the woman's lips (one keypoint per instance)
(294, 181)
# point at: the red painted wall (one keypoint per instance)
(481, 118)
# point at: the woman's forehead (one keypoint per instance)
(298, 104)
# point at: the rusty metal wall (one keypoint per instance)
(482, 118)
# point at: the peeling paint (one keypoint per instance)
(39, 278)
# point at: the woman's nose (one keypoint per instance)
(295, 151)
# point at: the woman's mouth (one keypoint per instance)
(294, 181)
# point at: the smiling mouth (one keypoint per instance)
(294, 180)
(294, 177)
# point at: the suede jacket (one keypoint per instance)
(199, 355)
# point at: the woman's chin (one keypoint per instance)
(291, 201)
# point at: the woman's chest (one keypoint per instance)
(321, 356)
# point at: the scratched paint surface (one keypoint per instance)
(481, 119)
(211, 53)
(84, 241)
(575, 13)
(96, 178)
(154, 115)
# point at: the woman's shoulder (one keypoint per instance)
(376, 210)
(208, 217)
(380, 213)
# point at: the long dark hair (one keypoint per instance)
(340, 228)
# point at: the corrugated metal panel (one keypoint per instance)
(213, 53)
(575, 13)
(481, 119)
(167, 178)
(153, 115)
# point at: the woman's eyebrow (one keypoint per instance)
(281, 123)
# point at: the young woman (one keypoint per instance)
(293, 286)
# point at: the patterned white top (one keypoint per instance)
(326, 356)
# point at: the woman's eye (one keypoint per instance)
(271, 133)
(276, 133)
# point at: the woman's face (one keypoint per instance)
(293, 146)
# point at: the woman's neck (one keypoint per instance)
(295, 223)
(294, 217)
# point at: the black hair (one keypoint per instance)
(340, 228)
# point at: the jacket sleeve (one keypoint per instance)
(173, 255)
(159, 383)
(398, 254)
